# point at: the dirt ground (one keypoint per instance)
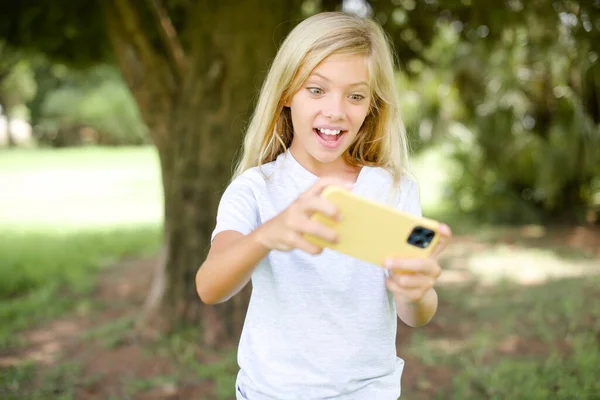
(121, 291)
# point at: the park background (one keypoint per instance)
(120, 123)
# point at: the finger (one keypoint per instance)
(319, 204)
(322, 183)
(445, 236)
(319, 230)
(411, 294)
(306, 246)
(423, 266)
(409, 282)
(393, 286)
(414, 295)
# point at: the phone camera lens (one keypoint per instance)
(421, 237)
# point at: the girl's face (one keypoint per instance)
(329, 109)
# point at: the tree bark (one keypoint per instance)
(10, 135)
(197, 120)
(10, 138)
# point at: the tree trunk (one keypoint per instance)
(197, 115)
(9, 133)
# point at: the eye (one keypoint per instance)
(315, 90)
(356, 97)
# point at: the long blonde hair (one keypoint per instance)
(381, 140)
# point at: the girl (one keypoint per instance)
(319, 324)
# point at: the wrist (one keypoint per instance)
(427, 297)
(261, 236)
(417, 313)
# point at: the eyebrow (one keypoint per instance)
(328, 80)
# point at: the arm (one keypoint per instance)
(234, 252)
(229, 265)
(233, 256)
(417, 313)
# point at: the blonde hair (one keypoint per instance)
(381, 141)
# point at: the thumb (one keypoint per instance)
(445, 236)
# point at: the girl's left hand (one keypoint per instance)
(412, 278)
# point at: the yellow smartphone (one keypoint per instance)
(374, 232)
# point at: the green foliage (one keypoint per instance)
(429, 105)
(514, 107)
(74, 32)
(17, 87)
(513, 91)
(17, 82)
(97, 99)
(537, 144)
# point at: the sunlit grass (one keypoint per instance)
(64, 215)
(74, 188)
(527, 266)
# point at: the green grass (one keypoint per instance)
(181, 348)
(68, 214)
(76, 188)
(132, 387)
(508, 341)
(65, 215)
(557, 333)
(555, 377)
(59, 384)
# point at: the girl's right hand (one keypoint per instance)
(286, 231)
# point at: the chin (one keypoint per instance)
(326, 157)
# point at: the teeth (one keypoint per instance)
(330, 131)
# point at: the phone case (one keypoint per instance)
(374, 232)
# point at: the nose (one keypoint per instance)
(334, 108)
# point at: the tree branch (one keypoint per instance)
(145, 70)
(168, 35)
(132, 24)
(130, 20)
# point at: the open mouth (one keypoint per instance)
(329, 137)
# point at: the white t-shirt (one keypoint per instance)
(317, 327)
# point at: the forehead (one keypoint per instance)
(343, 69)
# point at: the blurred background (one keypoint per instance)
(119, 124)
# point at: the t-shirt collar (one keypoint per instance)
(297, 168)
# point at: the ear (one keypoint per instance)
(288, 103)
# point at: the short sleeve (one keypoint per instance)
(238, 208)
(409, 198)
